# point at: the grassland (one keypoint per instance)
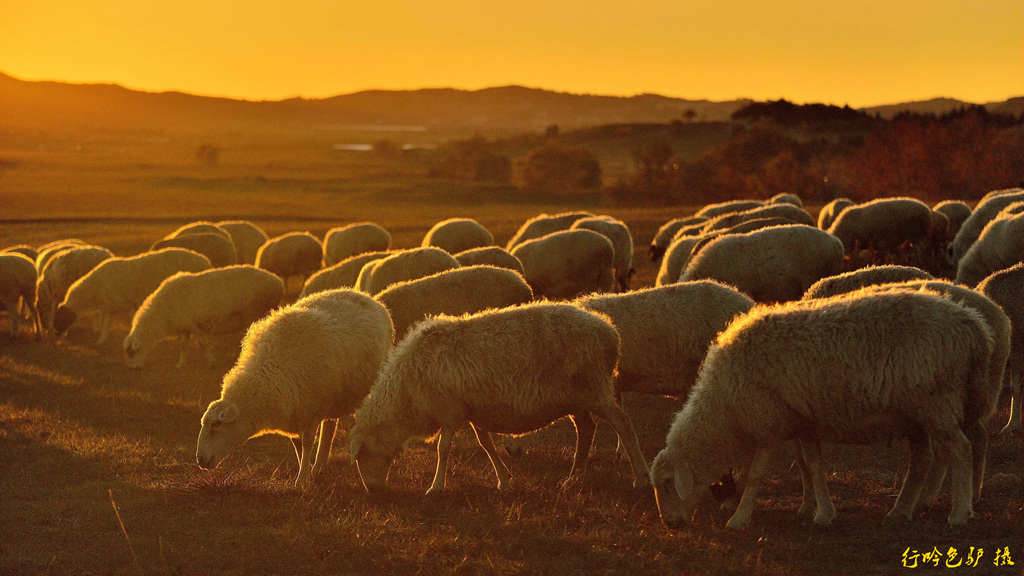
(97, 472)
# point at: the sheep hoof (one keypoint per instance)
(740, 524)
(896, 519)
(824, 520)
(641, 482)
(434, 491)
(1011, 427)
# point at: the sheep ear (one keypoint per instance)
(684, 480)
(228, 414)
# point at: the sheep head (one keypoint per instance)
(63, 319)
(372, 454)
(134, 351)
(674, 491)
(223, 429)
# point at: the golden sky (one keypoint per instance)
(857, 52)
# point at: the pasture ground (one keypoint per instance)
(97, 470)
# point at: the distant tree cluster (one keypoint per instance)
(473, 160)
(558, 170)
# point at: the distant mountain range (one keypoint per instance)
(63, 107)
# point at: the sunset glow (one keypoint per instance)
(862, 52)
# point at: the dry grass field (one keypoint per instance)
(97, 461)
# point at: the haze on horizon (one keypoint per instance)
(859, 52)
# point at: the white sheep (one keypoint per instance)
(23, 249)
(829, 212)
(490, 256)
(784, 198)
(772, 376)
(1000, 246)
(622, 241)
(542, 225)
(301, 368)
(465, 290)
(344, 274)
(456, 235)
(862, 277)
(770, 265)
(199, 305)
(987, 209)
(60, 272)
(794, 214)
(1006, 288)
(48, 251)
(712, 210)
(354, 239)
(247, 238)
(218, 248)
(883, 224)
(201, 227)
(956, 213)
(296, 254)
(17, 285)
(567, 264)
(508, 371)
(665, 235)
(118, 286)
(403, 266)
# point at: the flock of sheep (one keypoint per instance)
(753, 320)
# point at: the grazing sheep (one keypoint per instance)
(118, 286)
(666, 332)
(883, 224)
(794, 214)
(201, 304)
(403, 266)
(17, 285)
(247, 238)
(63, 270)
(622, 241)
(1000, 246)
(300, 369)
(667, 233)
(770, 265)
(956, 213)
(829, 212)
(772, 376)
(218, 248)
(199, 228)
(784, 198)
(23, 249)
(567, 264)
(344, 274)
(490, 256)
(48, 251)
(675, 260)
(869, 276)
(544, 224)
(1006, 288)
(456, 235)
(986, 211)
(713, 210)
(453, 292)
(351, 240)
(289, 255)
(516, 370)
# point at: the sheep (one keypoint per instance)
(883, 224)
(983, 213)
(675, 260)
(770, 265)
(354, 239)
(17, 284)
(200, 304)
(956, 213)
(491, 256)
(247, 238)
(458, 291)
(301, 368)
(63, 270)
(666, 234)
(48, 251)
(567, 264)
(542, 225)
(784, 198)
(829, 212)
(344, 274)
(515, 370)
(622, 241)
(787, 211)
(289, 255)
(402, 266)
(773, 376)
(202, 227)
(1000, 246)
(868, 276)
(456, 235)
(217, 248)
(712, 210)
(23, 249)
(1006, 288)
(118, 286)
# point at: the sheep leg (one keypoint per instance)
(921, 469)
(106, 321)
(806, 482)
(978, 436)
(810, 453)
(585, 429)
(183, 355)
(444, 445)
(297, 444)
(323, 452)
(755, 473)
(732, 502)
(619, 448)
(958, 450)
(483, 437)
(204, 345)
(614, 415)
(1014, 423)
(308, 438)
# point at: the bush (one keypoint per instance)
(554, 169)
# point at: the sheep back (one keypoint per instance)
(956, 213)
(377, 275)
(983, 213)
(490, 256)
(60, 272)
(884, 224)
(828, 213)
(344, 274)
(354, 239)
(542, 225)
(664, 236)
(291, 254)
(567, 264)
(218, 248)
(868, 276)
(675, 260)
(1000, 246)
(17, 283)
(456, 235)
(247, 238)
(622, 241)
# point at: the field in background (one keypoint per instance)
(80, 433)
